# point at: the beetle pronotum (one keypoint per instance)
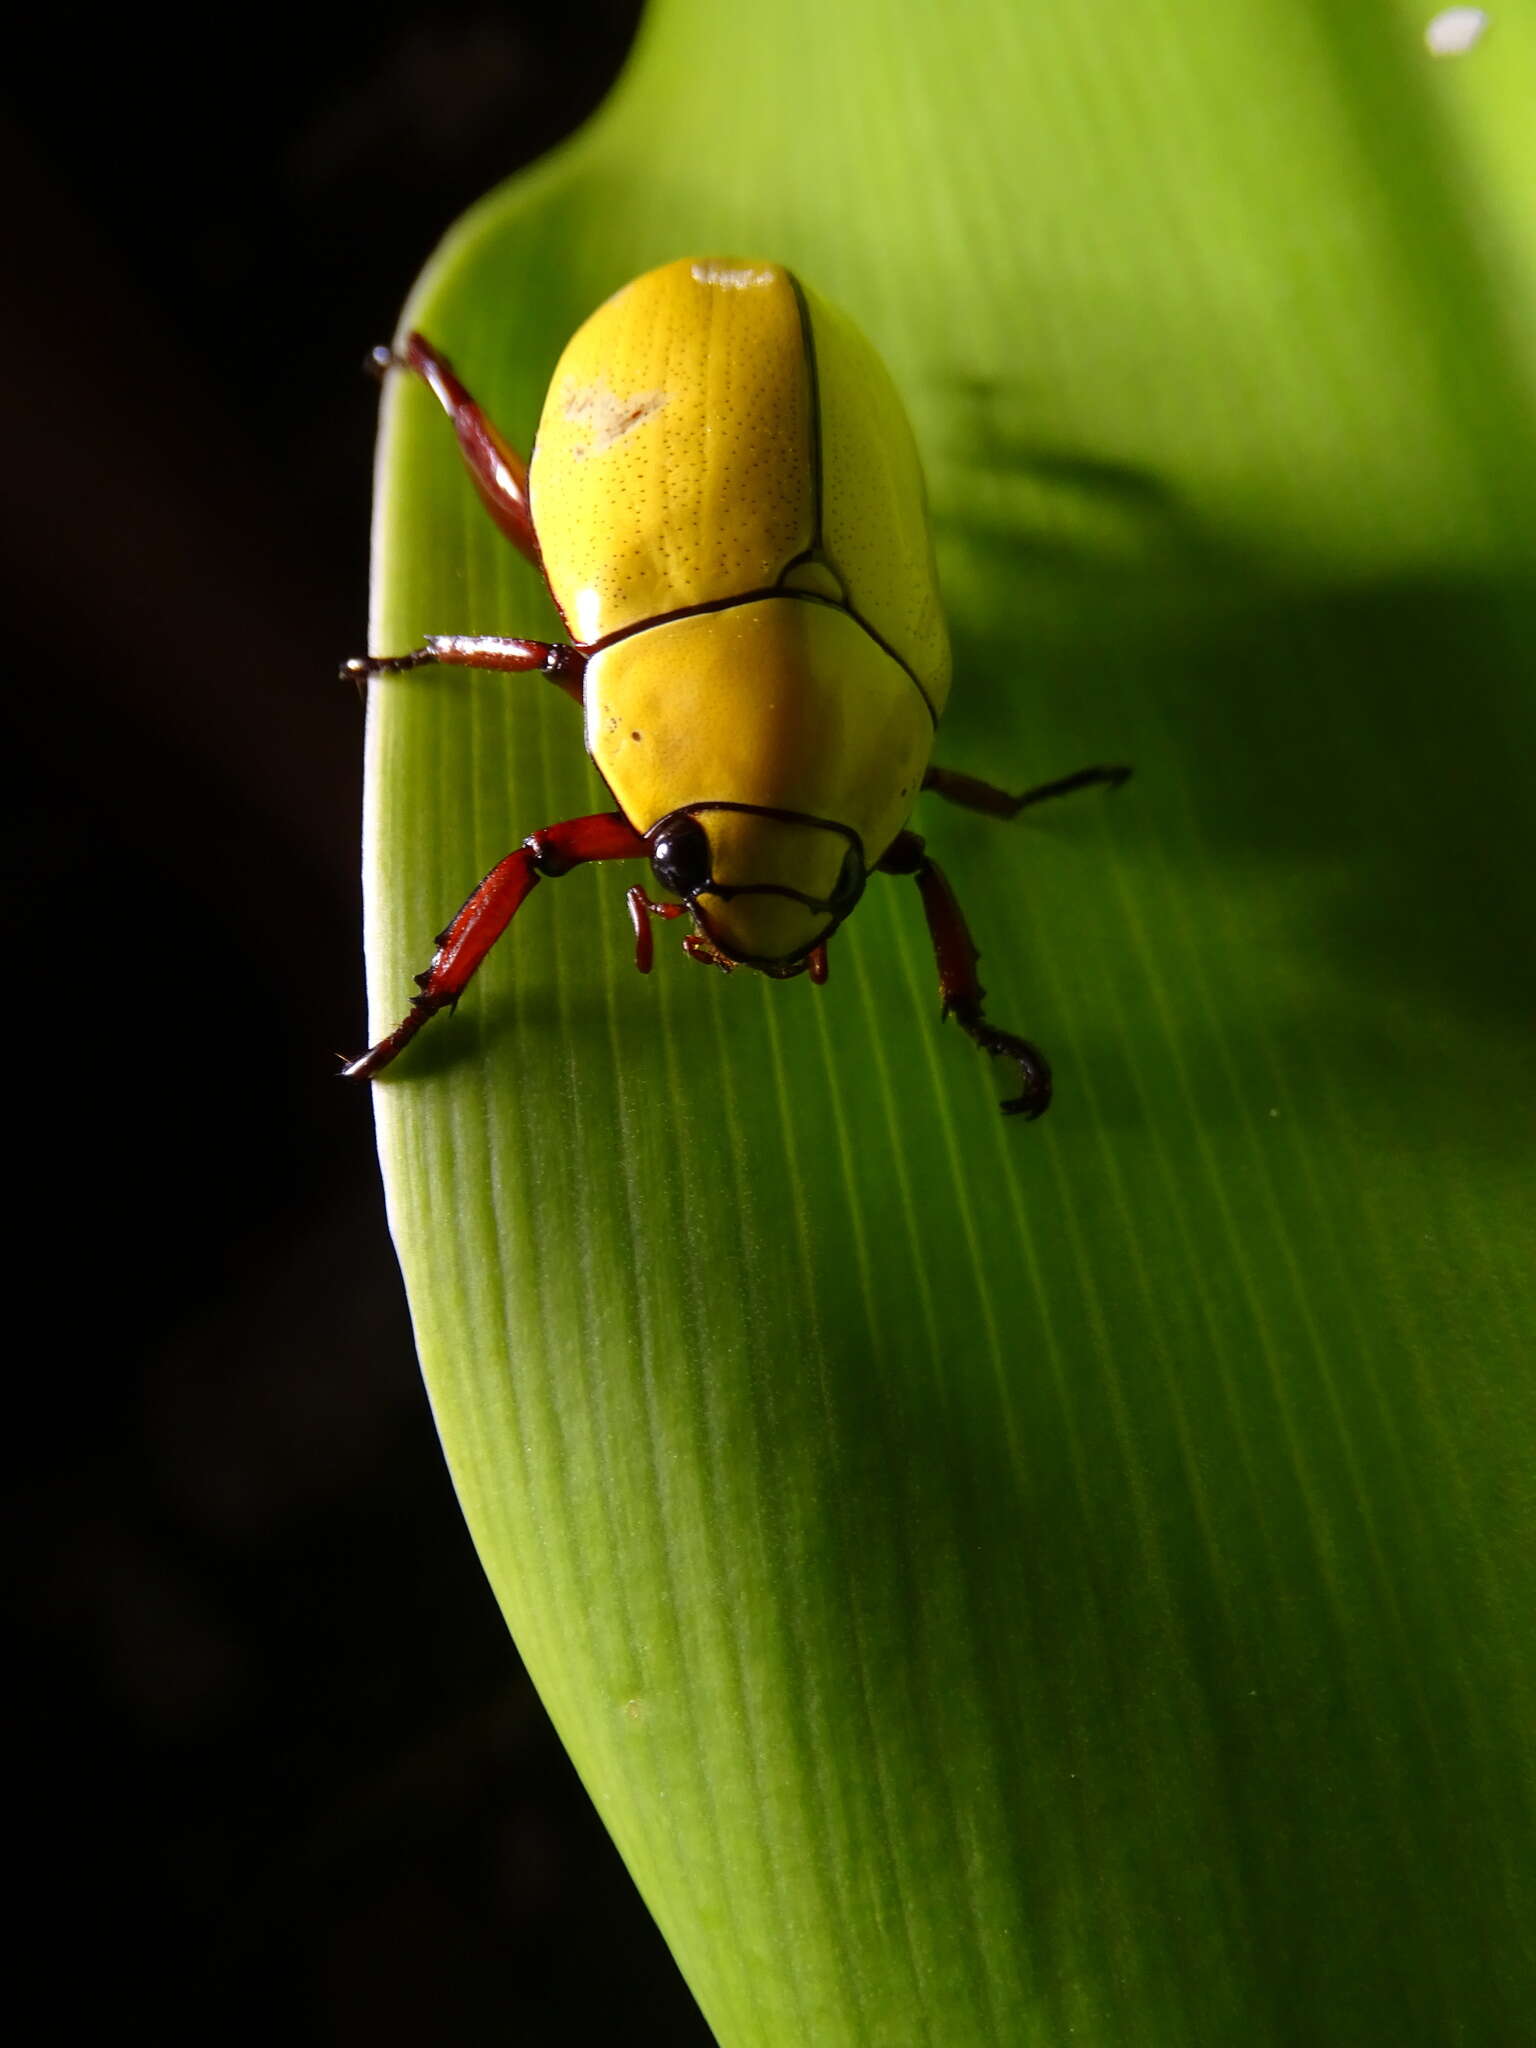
(726, 503)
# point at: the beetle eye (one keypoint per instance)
(850, 881)
(680, 857)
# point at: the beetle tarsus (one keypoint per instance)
(960, 991)
(363, 668)
(564, 665)
(378, 1057)
(1034, 1097)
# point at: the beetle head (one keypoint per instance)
(764, 887)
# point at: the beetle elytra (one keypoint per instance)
(726, 503)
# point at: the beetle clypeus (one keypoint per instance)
(726, 503)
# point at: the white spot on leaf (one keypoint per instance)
(1455, 30)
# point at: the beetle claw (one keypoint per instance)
(366, 668)
(1034, 1068)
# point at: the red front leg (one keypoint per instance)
(462, 947)
(960, 989)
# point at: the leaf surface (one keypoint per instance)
(1015, 1584)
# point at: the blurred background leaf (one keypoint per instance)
(1009, 1584)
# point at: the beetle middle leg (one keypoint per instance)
(960, 989)
(499, 473)
(565, 666)
(542, 856)
(977, 795)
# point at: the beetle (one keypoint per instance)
(726, 503)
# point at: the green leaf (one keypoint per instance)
(1014, 1584)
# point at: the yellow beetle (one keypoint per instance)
(726, 502)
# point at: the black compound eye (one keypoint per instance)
(680, 857)
(849, 886)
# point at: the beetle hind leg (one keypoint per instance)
(499, 473)
(977, 795)
(960, 989)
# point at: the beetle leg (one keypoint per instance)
(997, 803)
(816, 964)
(960, 990)
(641, 911)
(461, 948)
(565, 666)
(500, 474)
(707, 953)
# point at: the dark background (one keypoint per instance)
(280, 1773)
